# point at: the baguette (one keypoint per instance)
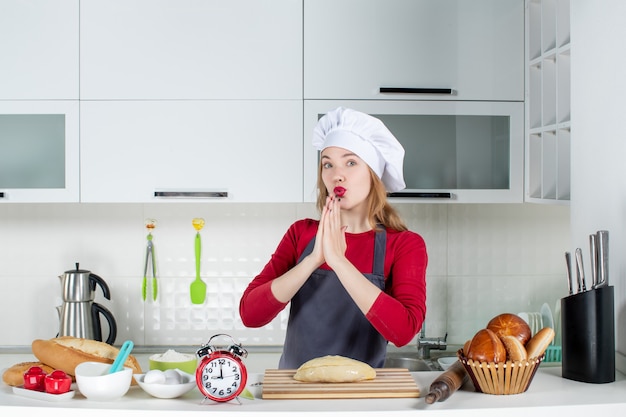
(66, 352)
(14, 376)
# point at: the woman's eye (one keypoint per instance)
(351, 163)
(327, 165)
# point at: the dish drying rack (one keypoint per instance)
(553, 354)
(543, 318)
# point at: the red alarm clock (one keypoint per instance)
(221, 374)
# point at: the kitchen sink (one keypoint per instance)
(411, 362)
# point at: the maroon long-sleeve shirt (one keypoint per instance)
(397, 313)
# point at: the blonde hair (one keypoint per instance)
(378, 208)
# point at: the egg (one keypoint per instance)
(155, 376)
(172, 377)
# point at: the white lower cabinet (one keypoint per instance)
(160, 151)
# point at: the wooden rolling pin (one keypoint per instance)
(447, 383)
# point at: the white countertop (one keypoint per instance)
(548, 393)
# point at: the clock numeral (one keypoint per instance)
(218, 362)
(222, 392)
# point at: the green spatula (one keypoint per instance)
(198, 287)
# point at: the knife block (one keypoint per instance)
(588, 336)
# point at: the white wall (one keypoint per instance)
(484, 260)
(598, 88)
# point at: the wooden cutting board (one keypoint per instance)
(389, 383)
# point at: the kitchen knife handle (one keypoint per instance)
(407, 90)
(1, 194)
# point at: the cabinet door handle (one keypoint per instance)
(412, 194)
(191, 194)
(406, 90)
(1, 194)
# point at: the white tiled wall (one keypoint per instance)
(484, 260)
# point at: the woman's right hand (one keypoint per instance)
(317, 254)
(286, 286)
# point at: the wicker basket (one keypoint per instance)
(501, 378)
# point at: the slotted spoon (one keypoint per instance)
(198, 287)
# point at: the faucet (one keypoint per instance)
(426, 344)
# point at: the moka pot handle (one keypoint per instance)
(96, 311)
(96, 280)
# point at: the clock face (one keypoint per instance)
(221, 377)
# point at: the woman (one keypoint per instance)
(355, 278)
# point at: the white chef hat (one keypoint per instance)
(368, 138)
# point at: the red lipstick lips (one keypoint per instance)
(339, 191)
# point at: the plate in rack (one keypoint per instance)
(546, 316)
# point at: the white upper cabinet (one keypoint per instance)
(353, 48)
(191, 150)
(191, 49)
(39, 151)
(455, 151)
(38, 49)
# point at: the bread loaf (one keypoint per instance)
(486, 346)
(515, 351)
(508, 324)
(14, 376)
(539, 342)
(334, 369)
(466, 346)
(66, 352)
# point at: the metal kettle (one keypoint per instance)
(79, 316)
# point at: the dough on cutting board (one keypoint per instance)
(333, 368)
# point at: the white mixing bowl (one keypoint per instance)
(95, 383)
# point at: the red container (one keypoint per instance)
(57, 383)
(34, 379)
